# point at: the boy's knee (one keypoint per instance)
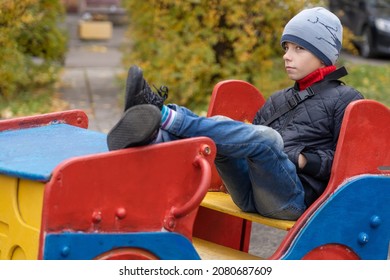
(221, 118)
(272, 136)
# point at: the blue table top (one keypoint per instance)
(33, 153)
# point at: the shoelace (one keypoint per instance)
(162, 91)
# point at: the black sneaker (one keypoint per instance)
(139, 92)
(138, 126)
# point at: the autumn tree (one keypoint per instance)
(190, 45)
(32, 45)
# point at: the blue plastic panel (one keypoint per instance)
(33, 153)
(87, 246)
(356, 216)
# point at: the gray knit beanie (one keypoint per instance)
(317, 30)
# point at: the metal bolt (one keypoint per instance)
(375, 221)
(96, 217)
(170, 223)
(65, 251)
(121, 213)
(206, 150)
(363, 238)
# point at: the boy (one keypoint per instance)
(281, 163)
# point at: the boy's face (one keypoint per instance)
(299, 62)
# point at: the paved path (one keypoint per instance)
(89, 83)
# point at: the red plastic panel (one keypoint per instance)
(235, 99)
(222, 229)
(144, 189)
(71, 117)
(364, 145)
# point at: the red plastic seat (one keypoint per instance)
(362, 149)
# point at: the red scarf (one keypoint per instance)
(315, 76)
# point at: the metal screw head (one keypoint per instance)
(206, 150)
(121, 213)
(96, 217)
(65, 251)
(363, 238)
(169, 223)
(375, 221)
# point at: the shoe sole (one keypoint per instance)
(133, 85)
(138, 126)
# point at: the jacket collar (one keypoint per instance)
(314, 77)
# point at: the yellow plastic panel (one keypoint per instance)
(19, 218)
(211, 251)
(18, 254)
(30, 196)
(220, 201)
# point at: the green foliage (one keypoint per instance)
(372, 80)
(32, 46)
(190, 45)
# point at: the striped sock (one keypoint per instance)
(168, 117)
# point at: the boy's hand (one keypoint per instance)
(301, 161)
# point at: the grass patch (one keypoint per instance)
(371, 80)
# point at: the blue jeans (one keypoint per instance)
(250, 160)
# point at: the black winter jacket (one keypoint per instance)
(311, 128)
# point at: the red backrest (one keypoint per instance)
(363, 146)
(235, 99)
(238, 100)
